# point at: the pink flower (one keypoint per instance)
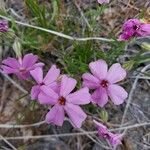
(65, 102)
(3, 26)
(114, 139)
(104, 82)
(103, 1)
(134, 28)
(21, 67)
(49, 80)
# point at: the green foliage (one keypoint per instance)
(38, 11)
(93, 14)
(83, 53)
(142, 56)
(75, 60)
(111, 55)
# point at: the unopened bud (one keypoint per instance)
(17, 48)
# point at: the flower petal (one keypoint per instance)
(11, 62)
(100, 97)
(48, 91)
(99, 68)
(52, 75)
(76, 114)
(145, 29)
(56, 115)
(115, 139)
(44, 99)
(8, 70)
(67, 85)
(99, 125)
(37, 65)
(90, 81)
(29, 60)
(116, 73)
(80, 97)
(37, 74)
(54, 86)
(124, 37)
(117, 94)
(35, 92)
(47, 96)
(103, 1)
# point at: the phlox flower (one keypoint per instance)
(22, 66)
(104, 82)
(3, 26)
(49, 80)
(134, 28)
(103, 1)
(114, 139)
(65, 102)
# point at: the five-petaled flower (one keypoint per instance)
(21, 67)
(134, 28)
(103, 1)
(65, 102)
(49, 80)
(3, 26)
(104, 82)
(114, 139)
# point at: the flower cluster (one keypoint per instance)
(57, 90)
(51, 91)
(114, 139)
(134, 28)
(3, 26)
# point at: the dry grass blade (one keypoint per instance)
(21, 126)
(7, 142)
(72, 134)
(131, 94)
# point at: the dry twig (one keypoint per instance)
(131, 94)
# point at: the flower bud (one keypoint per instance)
(104, 115)
(17, 48)
(3, 26)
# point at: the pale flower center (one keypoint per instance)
(104, 83)
(62, 101)
(22, 70)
